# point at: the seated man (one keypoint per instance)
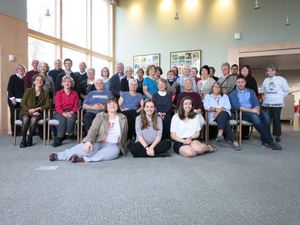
(245, 100)
(94, 103)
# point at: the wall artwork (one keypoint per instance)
(191, 58)
(142, 61)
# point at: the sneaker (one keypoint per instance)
(276, 146)
(53, 157)
(76, 158)
(266, 145)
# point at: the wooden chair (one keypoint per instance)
(232, 122)
(41, 122)
(242, 123)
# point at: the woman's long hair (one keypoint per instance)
(144, 120)
(181, 112)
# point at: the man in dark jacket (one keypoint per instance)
(115, 81)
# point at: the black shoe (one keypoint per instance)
(278, 139)
(29, 142)
(276, 146)
(72, 137)
(245, 137)
(57, 142)
(163, 154)
(53, 157)
(23, 144)
(65, 137)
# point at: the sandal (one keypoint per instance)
(213, 148)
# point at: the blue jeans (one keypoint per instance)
(261, 123)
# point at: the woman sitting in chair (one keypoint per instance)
(185, 131)
(105, 139)
(219, 106)
(34, 101)
(66, 106)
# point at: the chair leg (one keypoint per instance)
(251, 133)
(48, 134)
(15, 133)
(78, 138)
(240, 134)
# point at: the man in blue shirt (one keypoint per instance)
(245, 100)
(94, 103)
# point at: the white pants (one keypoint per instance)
(101, 151)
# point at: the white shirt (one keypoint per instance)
(114, 131)
(184, 130)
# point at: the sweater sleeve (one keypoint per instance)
(27, 83)
(58, 106)
(230, 84)
(24, 102)
(206, 102)
(169, 103)
(138, 126)
(75, 108)
(94, 129)
(253, 99)
(285, 87)
(10, 87)
(234, 100)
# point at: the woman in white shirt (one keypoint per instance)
(275, 89)
(219, 106)
(185, 130)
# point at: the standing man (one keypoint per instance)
(58, 69)
(68, 65)
(234, 70)
(115, 81)
(82, 73)
(244, 99)
(30, 74)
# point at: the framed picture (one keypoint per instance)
(191, 58)
(142, 61)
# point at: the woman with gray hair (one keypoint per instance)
(227, 80)
(34, 101)
(125, 81)
(219, 106)
(49, 86)
(131, 104)
(86, 86)
(275, 89)
(15, 89)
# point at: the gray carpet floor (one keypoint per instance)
(253, 186)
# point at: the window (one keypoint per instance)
(81, 32)
(41, 50)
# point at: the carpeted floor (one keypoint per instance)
(253, 186)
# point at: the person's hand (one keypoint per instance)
(150, 151)
(162, 115)
(97, 107)
(218, 110)
(173, 105)
(198, 111)
(87, 146)
(31, 111)
(66, 114)
(14, 102)
(126, 109)
(256, 110)
(216, 114)
(36, 114)
(120, 93)
(225, 92)
(188, 141)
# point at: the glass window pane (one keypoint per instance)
(98, 64)
(74, 21)
(40, 50)
(100, 26)
(36, 16)
(76, 57)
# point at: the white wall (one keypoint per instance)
(148, 26)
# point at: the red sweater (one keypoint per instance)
(195, 97)
(64, 101)
(28, 79)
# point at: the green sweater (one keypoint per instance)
(29, 101)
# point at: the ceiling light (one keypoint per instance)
(287, 23)
(112, 2)
(256, 5)
(47, 13)
(176, 14)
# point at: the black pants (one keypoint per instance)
(223, 123)
(131, 115)
(12, 108)
(166, 126)
(88, 120)
(274, 113)
(138, 150)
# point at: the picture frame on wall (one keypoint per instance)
(142, 61)
(181, 58)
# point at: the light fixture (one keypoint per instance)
(112, 2)
(47, 13)
(176, 14)
(256, 5)
(287, 23)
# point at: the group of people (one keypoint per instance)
(143, 114)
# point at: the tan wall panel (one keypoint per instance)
(13, 41)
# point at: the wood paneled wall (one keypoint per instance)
(13, 41)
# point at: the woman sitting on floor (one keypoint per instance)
(219, 106)
(105, 139)
(34, 100)
(185, 131)
(148, 127)
(131, 104)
